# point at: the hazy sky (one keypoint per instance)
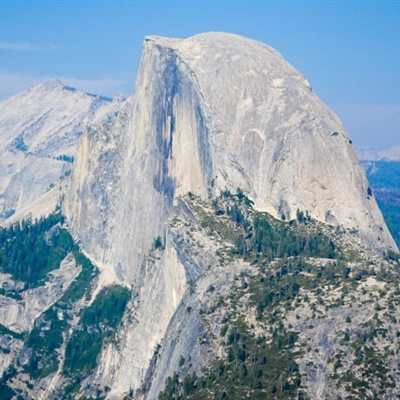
(348, 50)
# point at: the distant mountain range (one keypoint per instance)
(39, 130)
(389, 154)
(384, 178)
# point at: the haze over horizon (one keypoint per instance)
(348, 51)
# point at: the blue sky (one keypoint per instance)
(348, 50)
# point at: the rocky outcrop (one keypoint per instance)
(214, 112)
(209, 113)
(20, 315)
(39, 130)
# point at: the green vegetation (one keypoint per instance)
(296, 275)
(281, 284)
(30, 250)
(13, 294)
(389, 203)
(6, 393)
(277, 239)
(259, 367)
(384, 177)
(7, 213)
(371, 376)
(260, 235)
(158, 243)
(64, 157)
(383, 174)
(97, 324)
(43, 341)
(47, 336)
(292, 275)
(19, 143)
(254, 368)
(5, 331)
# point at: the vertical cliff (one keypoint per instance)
(214, 112)
(39, 130)
(209, 113)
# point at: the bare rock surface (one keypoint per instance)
(211, 112)
(20, 315)
(39, 129)
(214, 112)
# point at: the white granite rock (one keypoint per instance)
(39, 129)
(212, 112)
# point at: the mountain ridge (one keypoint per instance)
(39, 130)
(206, 116)
(192, 131)
(390, 154)
(219, 239)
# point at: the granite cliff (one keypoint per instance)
(209, 113)
(214, 112)
(39, 130)
(236, 248)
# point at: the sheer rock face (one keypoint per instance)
(211, 112)
(216, 111)
(39, 130)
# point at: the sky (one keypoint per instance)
(348, 50)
